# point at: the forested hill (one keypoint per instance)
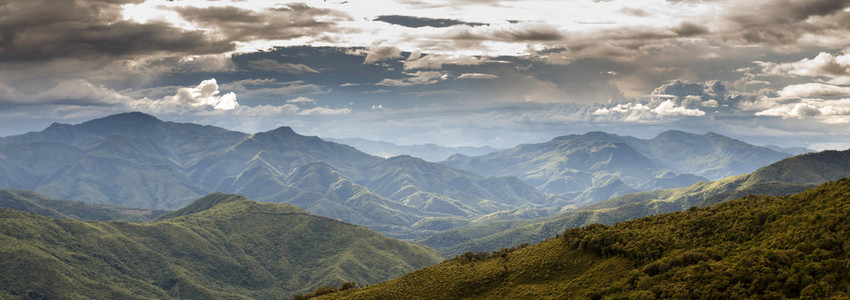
(221, 246)
(758, 247)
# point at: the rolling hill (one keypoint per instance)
(220, 246)
(756, 247)
(788, 176)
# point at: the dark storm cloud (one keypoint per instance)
(416, 22)
(785, 21)
(46, 30)
(280, 23)
(690, 29)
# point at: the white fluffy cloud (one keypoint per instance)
(827, 111)
(646, 112)
(834, 68)
(202, 97)
(808, 90)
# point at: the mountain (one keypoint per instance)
(752, 248)
(428, 152)
(788, 176)
(570, 165)
(137, 160)
(220, 246)
(39, 204)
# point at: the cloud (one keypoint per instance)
(378, 53)
(324, 111)
(283, 22)
(416, 78)
(477, 76)
(519, 32)
(687, 29)
(808, 90)
(436, 61)
(827, 111)
(204, 96)
(301, 100)
(44, 30)
(269, 87)
(835, 68)
(280, 67)
(416, 22)
(646, 112)
(787, 23)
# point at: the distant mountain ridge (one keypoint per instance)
(428, 152)
(570, 165)
(137, 160)
(220, 246)
(788, 176)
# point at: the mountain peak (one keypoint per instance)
(129, 117)
(283, 130)
(124, 122)
(204, 203)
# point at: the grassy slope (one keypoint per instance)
(233, 249)
(762, 247)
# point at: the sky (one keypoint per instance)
(454, 73)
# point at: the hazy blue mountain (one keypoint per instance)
(136, 160)
(428, 152)
(219, 247)
(571, 165)
(788, 176)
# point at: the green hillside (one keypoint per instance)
(222, 246)
(39, 204)
(757, 247)
(791, 175)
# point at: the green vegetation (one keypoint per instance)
(222, 246)
(791, 175)
(40, 204)
(757, 247)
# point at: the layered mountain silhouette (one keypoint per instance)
(572, 165)
(788, 176)
(755, 247)
(220, 246)
(428, 152)
(137, 160)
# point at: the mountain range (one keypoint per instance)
(137, 160)
(597, 165)
(220, 246)
(788, 176)
(758, 247)
(428, 152)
